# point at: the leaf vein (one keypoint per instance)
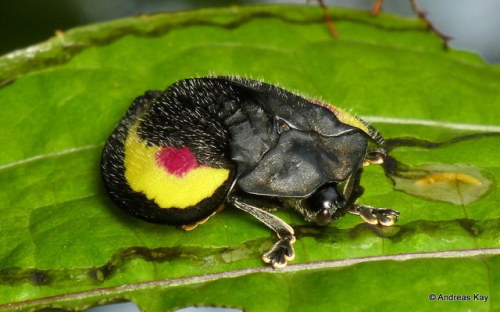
(48, 155)
(431, 123)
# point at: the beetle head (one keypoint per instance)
(326, 204)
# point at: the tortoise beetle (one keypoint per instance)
(178, 155)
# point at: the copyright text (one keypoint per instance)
(453, 297)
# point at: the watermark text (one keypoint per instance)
(454, 297)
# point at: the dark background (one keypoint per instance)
(474, 25)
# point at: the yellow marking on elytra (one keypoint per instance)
(351, 120)
(356, 122)
(167, 190)
(449, 177)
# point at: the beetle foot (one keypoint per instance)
(280, 253)
(371, 215)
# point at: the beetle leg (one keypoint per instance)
(373, 215)
(282, 251)
(353, 190)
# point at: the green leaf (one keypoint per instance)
(63, 243)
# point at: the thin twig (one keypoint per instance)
(423, 16)
(377, 7)
(328, 20)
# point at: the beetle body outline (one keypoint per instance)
(178, 155)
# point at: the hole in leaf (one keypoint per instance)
(115, 307)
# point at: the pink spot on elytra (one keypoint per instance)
(177, 161)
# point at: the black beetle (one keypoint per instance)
(177, 156)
